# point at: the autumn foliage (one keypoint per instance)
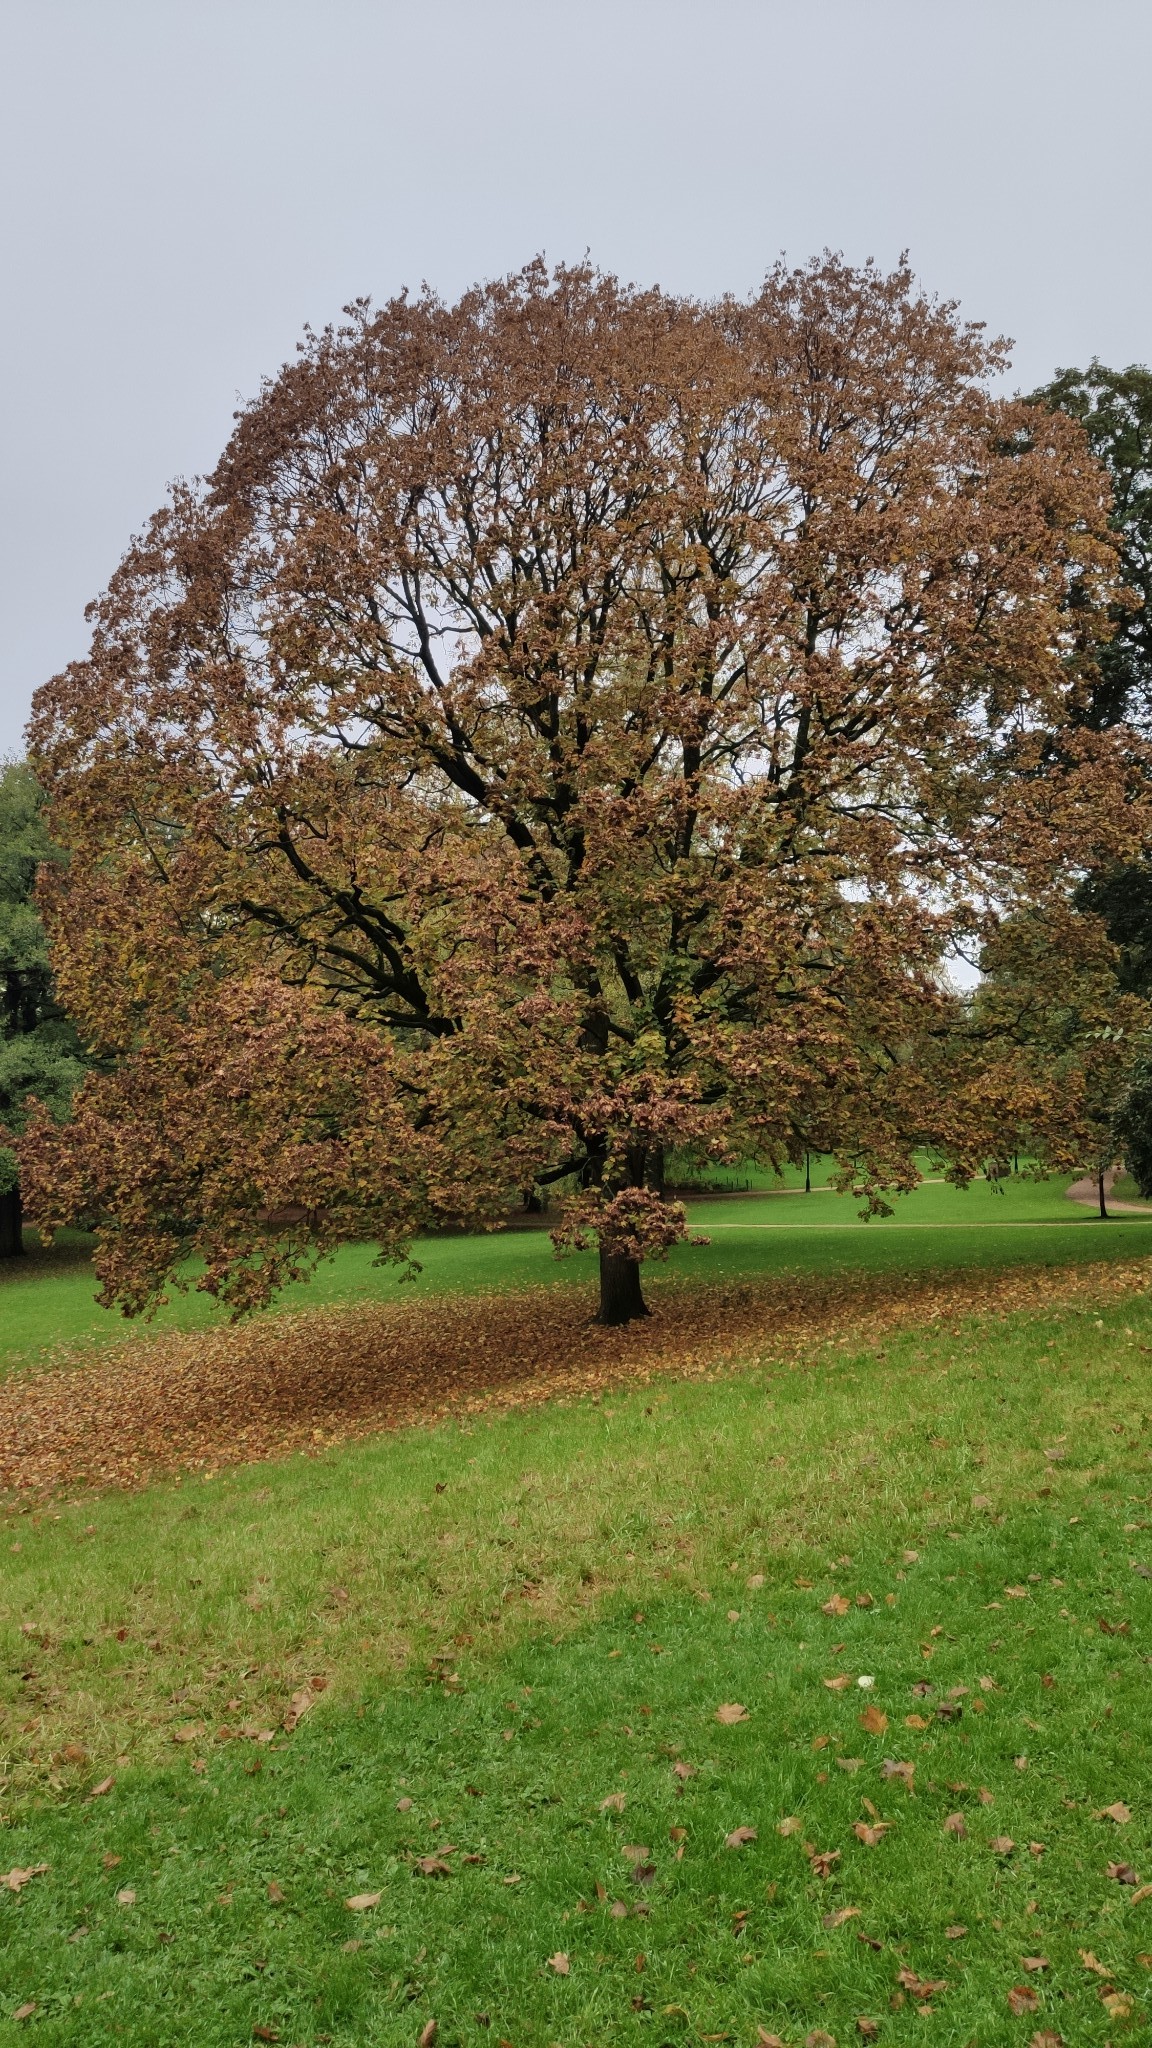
(568, 726)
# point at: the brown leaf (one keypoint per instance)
(615, 1803)
(190, 1732)
(1142, 1892)
(731, 1712)
(1023, 1999)
(17, 1879)
(1123, 1873)
(823, 1861)
(560, 1963)
(362, 1902)
(127, 1897)
(301, 1703)
(25, 2012)
(874, 1721)
(956, 1932)
(1117, 2004)
(1118, 1812)
(915, 1721)
(819, 2039)
(764, 2039)
(837, 1919)
(403, 1806)
(109, 1861)
(891, 1769)
(838, 1684)
(836, 1606)
(956, 1825)
(635, 1852)
(1092, 1962)
(789, 1826)
(265, 2034)
(428, 2035)
(920, 1987)
(1034, 1963)
(870, 1836)
(849, 1763)
(868, 2030)
(276, 1895)
(428, 1866)
(1045, 2038)
(101, 1790)
(739, 1838)
(683, 1771)
(1002, 1845)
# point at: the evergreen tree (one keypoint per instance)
(39, 1050)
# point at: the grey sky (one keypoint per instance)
(184, 183)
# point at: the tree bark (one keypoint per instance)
(1100, 1192)
(620, 1298)
(11, 1225)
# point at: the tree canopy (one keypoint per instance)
(568, 724)
(39, 1051)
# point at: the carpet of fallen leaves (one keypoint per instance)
(286, 1383)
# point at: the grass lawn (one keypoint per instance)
(47, 1300)
(522, 1619)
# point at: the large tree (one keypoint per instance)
(567, 724)
(40, 1054)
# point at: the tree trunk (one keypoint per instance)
(11, 1225)
(1100, 1191)
(620, 1298)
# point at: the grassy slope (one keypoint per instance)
(554, 1530)
(48, 1301)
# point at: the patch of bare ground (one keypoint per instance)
(291, 1382)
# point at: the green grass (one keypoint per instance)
(47, 1301)
(526, 1548)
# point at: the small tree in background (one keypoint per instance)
(39, 1050)
(569, 726)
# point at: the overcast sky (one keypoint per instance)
(185, 183)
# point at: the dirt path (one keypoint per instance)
(1085, 1192)
(287, 1383)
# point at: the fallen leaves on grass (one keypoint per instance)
(190, 1732)
(25, 2012)
(683, 1771)
(731, 1712)
(870, 1834)
(229, 1396)
(891, 1769)
(1045, 2038)
(127, 1897)
(276, 1894)
(1123, 1873)
(560, 1963)
(837, 1919)
(428, 2034)
(1022, 1998)
(1034, 1963)
(363, 1902)
(955, 1824)
(874, 1721)
(15, 1880)
(1002, 1845)
(102, 1790)
(433, 1866)
(838, 1684)
(614, 1803)
(1117, 2004)
(739, 1838)
(1118, 1812)
(822, 1862)
(302, 1702)
(789, 1826)
(920, 1987)
(956, 1932)
(837, 1605)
